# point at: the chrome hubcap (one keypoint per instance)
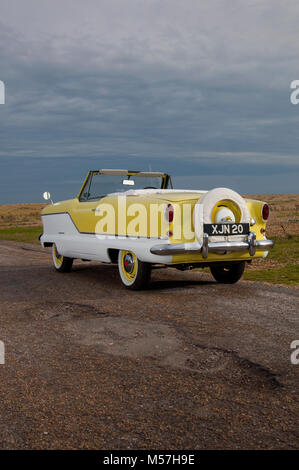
(58, 256)
(128, 263)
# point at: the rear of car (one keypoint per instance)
(136, 219)
(219, 229)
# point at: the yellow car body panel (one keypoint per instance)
(88, 217)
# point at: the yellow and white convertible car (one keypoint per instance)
(136, 219)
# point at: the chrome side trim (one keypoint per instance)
(252, 245)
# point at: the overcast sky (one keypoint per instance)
(200, 89)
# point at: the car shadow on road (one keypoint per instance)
(177, 284)
(109, 273)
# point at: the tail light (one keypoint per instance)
(265, 212)
(169, 213)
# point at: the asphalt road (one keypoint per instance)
(188, 363)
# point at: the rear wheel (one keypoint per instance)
(228, 274)
(134, 273)
(61, 263)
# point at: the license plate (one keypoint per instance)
(226, 229)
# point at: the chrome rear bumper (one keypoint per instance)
(251, 245)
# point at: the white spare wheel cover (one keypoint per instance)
(204, 208)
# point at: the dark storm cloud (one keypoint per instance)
(197, 89)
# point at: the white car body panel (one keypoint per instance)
(73, 244)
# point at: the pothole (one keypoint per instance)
(245, 367)
(126, 337)
(61, 311)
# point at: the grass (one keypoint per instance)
(283, 262)
(20, 215)
(288, 274)
(21, 234)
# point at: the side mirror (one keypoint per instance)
(47, 196)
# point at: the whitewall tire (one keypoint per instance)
(134, 273)
(61, 263)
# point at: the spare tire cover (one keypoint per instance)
(204, 209)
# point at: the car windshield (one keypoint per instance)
(99, 185)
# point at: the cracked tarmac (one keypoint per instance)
(186, 364)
